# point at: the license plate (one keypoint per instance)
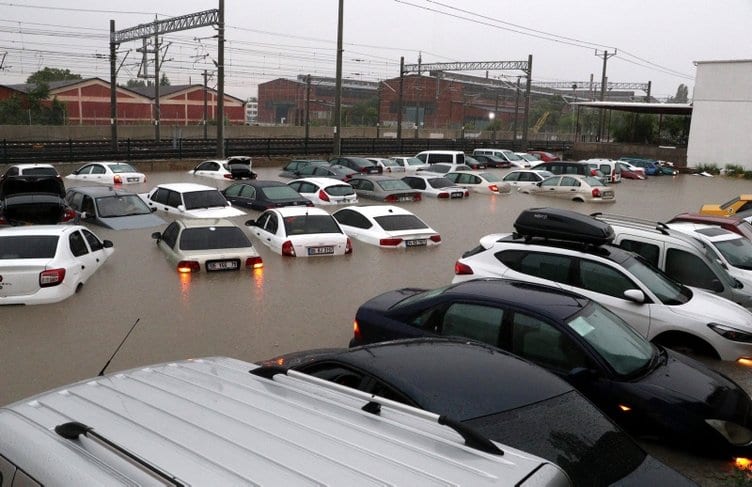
(222, 265)
(608, 194)
(326, 250)
(405, 198)
(458, 194)
(132, 180)
(419, 242)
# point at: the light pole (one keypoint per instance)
(574, 100)
(491, 116)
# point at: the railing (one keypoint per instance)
(14, 152)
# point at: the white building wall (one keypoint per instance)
(721, 128)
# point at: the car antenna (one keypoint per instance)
(101, 372)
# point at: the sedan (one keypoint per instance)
(384, 188)
(436, 186)
(442, 168)
(108, 173)
(387, 165)
(480, 182)
(646, 389)
(190, 201)
(238, 167)
(48, 263)
(492, 161)
(111, 207)
(522, 178)
(300, 232)
(359, 164)
(386, 226)
(628, 171)
(261, 195)
(409, 163)
(474, 163)
(327, 170)
(292, 168)
(573, 187)
(502, 397)
(544, 156)
(325, 191)
(208, 245)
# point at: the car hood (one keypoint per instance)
(132, 221)
(710, 308)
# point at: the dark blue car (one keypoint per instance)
(648, 390)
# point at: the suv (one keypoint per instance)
(573, 251)
(220, 421)
(684, 258)
(610, 169)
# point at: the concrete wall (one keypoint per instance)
(721, 120)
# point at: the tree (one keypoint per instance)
(164, 80)
(48, 75)
(364, 113)
(135, 83)
(682, 94)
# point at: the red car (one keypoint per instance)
(730, 223)
(544, 156)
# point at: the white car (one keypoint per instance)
(442, 168)
(386, 226)
(325, 191)
(108, 173)
(555, 248)
(410, 163)
(480, 182)
(208, 245)
(30, 170)
(237, 167)
(436, 186)
(190, 200)
(387, 165)
(522, 178)
(529, 158)
(573, 187)
(296, 231)
(47, 263)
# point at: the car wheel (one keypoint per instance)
(578, 200)
(686, 344)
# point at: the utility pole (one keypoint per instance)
(206, 104)
(307, 110)
(157, 114)
(338, 88)
(602, 119)
(113, 89)
(528, 86)
(221, 81)
(516, 113)
(399, 100)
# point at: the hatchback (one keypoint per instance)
(190, 200)
(108, 173)
(384, 188)
(325, 191)
(386, 226)
(237, 167)
(111, 207)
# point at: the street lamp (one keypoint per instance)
(491, 116)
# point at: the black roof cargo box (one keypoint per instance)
(560, 224)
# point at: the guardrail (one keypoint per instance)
(15, 152)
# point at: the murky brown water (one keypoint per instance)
(293, 304)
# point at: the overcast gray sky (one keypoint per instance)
(655, 41)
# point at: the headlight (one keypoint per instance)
(735, 434)
(731, 333)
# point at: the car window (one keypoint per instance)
(28, 246)
(309, 224)
(479, 322)
(86, 169)
(272, 224)
(87, 205)
(247, 191)
(399, 222)
(649, 251)
(546, 266)
(738, 252)
(340, 190)
(550, 182)
(234, 190)
(261, 220)
(296, 186)
(160, 196)
(211, 238)
(74, 199)
(544, 344)
(97, 169)
(94, 242)
(570, 182)
(121, 205)
(170, 235)
(415, 183)
(691, 270)
(514, 176)
(121, 167)
(352, 218)
(278, 193)
(204, 199)
(393, 184)
(77, 244)
(349, 377)
(600, 278)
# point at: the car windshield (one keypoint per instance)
(121, 205)
(393, 184)
(737, 251)
(116, 168)
(413, 161)
(28, 247)
(614, 340)
(593, 181)
(340, 190)
(440, 183)
(392, 223)
(390, 163)
(545, 174)
(306, 224)
(211, 238)
(491, 177)
(280, 193)
(203, 199)
(667, 290)
(512, 156)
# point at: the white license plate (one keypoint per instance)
(222, 265)
(608, 194)
(326, 250)
(419, 242)
(405, 198)
(132, 180)
(458, 194)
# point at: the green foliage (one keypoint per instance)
(136, 83)
(363, 114)
(682, 95)
(47, 75)
(14, 111)
(734, 170)
(708, 168)
(633, 128)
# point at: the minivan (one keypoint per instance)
(611, 169)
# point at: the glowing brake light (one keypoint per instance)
(390, 242)
(461, 269)
(357, 335)
(186, 266)
(745, 361)
(596, 193)
(117, 179)
(51, 277)
(323, 196)
(625, 408)
(287, 249)
(254, 263)
(743, 463)
(494, 188)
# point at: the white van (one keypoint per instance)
(447, 156)
(611, 169)
(220, 421)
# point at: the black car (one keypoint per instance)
(33, 200)
(492, 161)
(500, 396)
(359, 164)
(646, 389)
(292, 168)
(261, 195)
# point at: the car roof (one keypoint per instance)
(473, 379)
(376, 177)
(322, 181)
(378, 210)
(205, 222)
(607, 251)
(29, 166)
(39, 230)
(712, 233)
(261, 183)
(441, 152)
(709, 219)
(185, 187)
(299, 211)
(97, 191)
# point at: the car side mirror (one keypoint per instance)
(250, 223)
(108, 244)
(156, 236)
(635, 295)
(181, 208)
(84, 215)
(229, 203)
(75, 172)
(152, 209)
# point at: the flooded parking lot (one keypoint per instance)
(290, 304)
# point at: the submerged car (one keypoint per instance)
(384, 188)
(521, 178)
(646, 389)
(325, 191)
(190, 200)
(480, 182)
(48, 263)
(207, 245)
(261, 195)
(436, 186)
(572, 187)
(236, 167)
(386, 226)
(111, 207)
(33, 169)
(108, 173)
(33, 199)
(501, 396)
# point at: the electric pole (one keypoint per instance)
(157, 114)
(399, 100)
(113, 91)
(307, 110)
(602, 120)
(221, 81)
(338, 88)
(206, 105)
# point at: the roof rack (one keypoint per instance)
(650, 225)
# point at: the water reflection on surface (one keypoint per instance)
(290, 304)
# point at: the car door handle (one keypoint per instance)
(83, 267)
(268, 240)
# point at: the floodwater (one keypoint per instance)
(292, 304)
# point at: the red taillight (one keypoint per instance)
(462, 269)
(357, 335)
(254, 263)
(417, 197)
(348, 246)
(3, 221)
(186, 266)
(467, 194)
(494, 188)
(228, 176)
(593, 172)
(67, 216)
(392, 198)
(390, 242)
(323, 196)
(442, 195)
(51, 277)
(435, 238)
(596, 193)
(117, 179)
(288, 249)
